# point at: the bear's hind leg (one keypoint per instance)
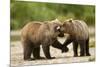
(27, 51)
(82, 47)
(87, 47)
(75, 47)
(36, 53)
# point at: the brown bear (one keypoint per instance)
(78, 34)
(35, 34)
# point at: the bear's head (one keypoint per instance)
(55, 26)
(67, 26)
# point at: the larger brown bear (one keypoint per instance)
(35, 34)
(78, 34)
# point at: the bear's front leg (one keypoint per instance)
(46, 50)
(75, 48)
(65, 49)
(36, 53)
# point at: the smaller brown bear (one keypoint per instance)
(78, 34)
(35, 34)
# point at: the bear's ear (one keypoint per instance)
(70, 20)
(57, 28)
(56, 20)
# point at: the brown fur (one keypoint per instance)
(35, 34)
(79, 34)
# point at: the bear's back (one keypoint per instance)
(29, 30)
(80, 29)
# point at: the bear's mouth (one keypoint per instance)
(61, 34)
